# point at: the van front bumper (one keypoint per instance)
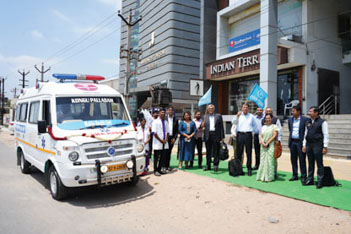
(80, 175)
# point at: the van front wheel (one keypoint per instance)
(134, 181)
(24, 164)
(57, 189)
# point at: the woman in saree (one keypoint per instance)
(269, 132)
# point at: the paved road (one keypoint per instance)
(27, 207)
(180, 202)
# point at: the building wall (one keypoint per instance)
(174, 56)
(323, 46)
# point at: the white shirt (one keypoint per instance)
(325, 134)
(246, 123)
(144, 134)
(199, 133)
(258, 120)
(170, 125)
(212, 122)
(161, 129)
(280, 134)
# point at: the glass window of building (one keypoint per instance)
(288, 89)
(239, 91)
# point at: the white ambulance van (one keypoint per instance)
(78, 133)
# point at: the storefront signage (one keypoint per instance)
(244, 41)
(240, 62)
(243, 63)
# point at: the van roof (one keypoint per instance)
(69, 89)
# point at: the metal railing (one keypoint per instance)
(329, 106)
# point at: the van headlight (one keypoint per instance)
(130, 164)
(73, 156)
(140, 148)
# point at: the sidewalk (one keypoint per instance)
(341, 167)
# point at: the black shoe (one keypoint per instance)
(249, 172)
(200, 166)
(293, 178)
(215, 168)
(191, 166)
(309, 182)
(207, 168)
(319, 186)
(255, 168)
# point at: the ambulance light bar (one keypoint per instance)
(77, 77)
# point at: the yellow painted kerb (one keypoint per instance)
(43, 150)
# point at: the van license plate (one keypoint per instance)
(116, 167)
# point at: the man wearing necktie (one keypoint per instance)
(214, 133)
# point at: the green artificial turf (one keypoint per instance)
(338, 197)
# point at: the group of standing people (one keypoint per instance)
(306, 136)
(194, 132)
(162, 135)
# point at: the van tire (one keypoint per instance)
(134, 181)
(57, 189)
(24, 164)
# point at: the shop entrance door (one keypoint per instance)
(328, 84)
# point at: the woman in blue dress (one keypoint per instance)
(187, 130)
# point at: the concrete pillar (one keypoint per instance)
(269, 50)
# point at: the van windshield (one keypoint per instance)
(89, 112)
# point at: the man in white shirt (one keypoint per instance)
(160, 130)
(144, 133)
(246, 125)
(315, 145)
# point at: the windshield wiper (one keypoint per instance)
(92, 127)
(118, 124)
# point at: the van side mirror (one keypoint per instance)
(42, 126)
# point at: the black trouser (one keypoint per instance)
(198, 145)
(168, 153)
(159, 159)
(257, 150)
(296, 153)
(212, 150)
(244, 139)
(315, 154)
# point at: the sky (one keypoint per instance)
(70, 36)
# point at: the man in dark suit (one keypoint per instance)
(173, 129)
(214, 133)
(296, 135)
(315, 145)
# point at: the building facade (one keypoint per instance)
(312, 53)
(169, 37)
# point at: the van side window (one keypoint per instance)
(34, 112)
(17, 114)
(23, 114)
(46, 112)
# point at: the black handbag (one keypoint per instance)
(235, 168)
(223, 151)
(328, 179)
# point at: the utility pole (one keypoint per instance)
(14, 91)
(2, 101)
(23, 78)
(129, 52)
(42, 71)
